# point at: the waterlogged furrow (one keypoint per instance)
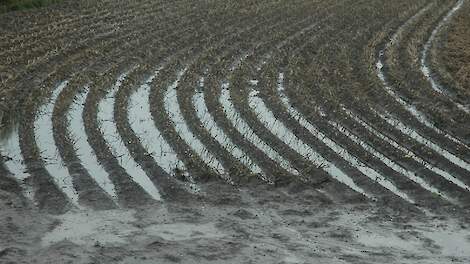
(390, 163)
(10, 147)
(173, 110)
(366, 170)
(49, 152)
(408, 152)
(276, 127)
(244, 129)
(218, 134)
(409, 107)
(142, 124)
(379, 66)
(117, 146)
(416, 136)
(436, 86)
(84, 151)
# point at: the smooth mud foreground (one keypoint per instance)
(266, 225)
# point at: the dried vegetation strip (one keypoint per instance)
(450, 55)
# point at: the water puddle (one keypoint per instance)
(387, 240)
(454, 243)
(14, 162)
(87, 228)
(184, 231)
(110, 133)
(176, 116)
(367, 171)
(424, 57)
(243, 128)
(437, 237)
(421, 117)
(49, 152)
(416, 136)
(390, 163)
(276, 127)
(143, 125)
(218, 134)
(84, 151)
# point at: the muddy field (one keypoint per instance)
(252, 131)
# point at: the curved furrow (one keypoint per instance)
(218, 134)
(175, 115)
(392, 164)
(330, 142)
(128, 131)
(335, 163)
(9, 185)
(85, 51)
(107, 124)
(197, 125)
(54, 164)
(316, 143)
(422, 140)
(425, 69)
(249, 134)
(404, 76)
(129, 193)
(409, 138)
(351, 158)
(410, 163)
(170, 134)
(411, 109)
(279, 129)
(365, 152)
(47, 193)
(447, 58)
(148, 126)
(408, 152)
(42, 180)
(355, 162)
(381, 74)
(239, 103)
(309, 171)
(15, 165)
(202, 122)
(234, 117)
(86, 158)
(152, 142)
(89, 190)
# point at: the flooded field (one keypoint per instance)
(218, 131)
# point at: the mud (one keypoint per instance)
(267, 225)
